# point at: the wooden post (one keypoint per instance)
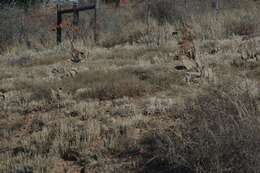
(59, 22)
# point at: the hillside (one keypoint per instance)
(186, 104)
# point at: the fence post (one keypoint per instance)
(215, 4)
(75, 10)
(75, 14)
(147, 20)
(186, 4)
(75, 19)
(97, 5)
(59, 22)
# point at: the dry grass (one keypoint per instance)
(113, 84)
(127, 108)
(216, 132)
(130, 119)
(106, 85)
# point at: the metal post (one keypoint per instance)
(186, 5)
(75, 10)
(95, 26)
(59, 22)
(75, 14)
(215, 4)
(97, 5)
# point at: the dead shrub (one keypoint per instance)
(107, 85)
(158, 76)
(217, 132)
(5, 75)
(27, 28)
(128, 87)
(41, 93)
(34, 96)
(244, 25)
(42, 142)
(39, 90)
(158, 106)
(10, 128)
(9, 29)
(165, 10)
(24, 61)
(117, 89)
(129, 82)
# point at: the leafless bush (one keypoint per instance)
(216, 132)
(40, 91)
(30, 28)
(36, 97)
(245, 25)
(115, 26)
(9, 27)
(163, 11)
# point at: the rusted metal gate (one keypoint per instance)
(75, 11)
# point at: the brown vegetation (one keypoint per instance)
(164, 94)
